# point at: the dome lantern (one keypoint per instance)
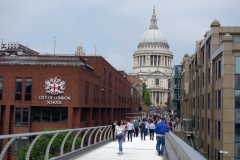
(153, 36)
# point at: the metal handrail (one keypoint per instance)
(89, 131)
(45, 132)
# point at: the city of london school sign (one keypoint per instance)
(55, 87)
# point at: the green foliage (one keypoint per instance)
(144, 89)
(39, 149)
(147, 99)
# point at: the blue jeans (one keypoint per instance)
(146, 131)
(120, 141)
(142, 134)
(160, 141)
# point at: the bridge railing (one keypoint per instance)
(88, 137)
(182, 150)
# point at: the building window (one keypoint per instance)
(104, 76)
(237, 99)
(103, 96)
(86, 91)
(198, 102)
(209, 50)
(218, 69)
(157, 82)
(94, 113)
(203, 79)
(18, 144)
(216, 128)
(96, 94)
(237, 65)
(83, 114)
(1, 84)
(28, 89)
(219, 99)
(208, 126)
(198, 123)
(194, 103)
(202, 124)
(203, 57)
(110, 79)
(237, 81)
(193, 121)
(49, 114)
(194, 85)
(18, 91)
(219, 130)
(203, 101)
(208, 100)
(209, 74)
(21, 117)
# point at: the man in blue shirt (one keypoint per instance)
(160, 129)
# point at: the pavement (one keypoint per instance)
(135, 150)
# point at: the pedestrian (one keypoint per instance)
(151, 130)
(126, 130)
(113, 128)
(119, 134)
(170, 124)
(174, 125)
(160, 130)
(130, 127)
(136, 125)
(146, 127)
(142, 130)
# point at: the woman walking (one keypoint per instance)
(119, 134)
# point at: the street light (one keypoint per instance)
(223, 152)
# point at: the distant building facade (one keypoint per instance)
(153, 62)
(210, 95)
(175, 91)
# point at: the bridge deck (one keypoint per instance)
(135, 150)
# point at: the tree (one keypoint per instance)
(39, 148)
(147, 99)
(144, 89)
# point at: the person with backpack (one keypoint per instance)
(142, 130)
(136, 125)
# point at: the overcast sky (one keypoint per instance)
(114, 26)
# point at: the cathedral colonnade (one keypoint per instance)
(158, 96)
(155, 60)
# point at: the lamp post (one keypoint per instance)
(223, 152)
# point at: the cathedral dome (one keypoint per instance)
(153, 35)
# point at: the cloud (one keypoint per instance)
(114, 26)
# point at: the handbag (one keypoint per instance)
(119, 136)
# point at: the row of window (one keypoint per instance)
(18, 89)
(217, 126)
(40, 114)
(217, 102)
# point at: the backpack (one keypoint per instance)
(142, 125)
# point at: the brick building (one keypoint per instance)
(38, 91)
